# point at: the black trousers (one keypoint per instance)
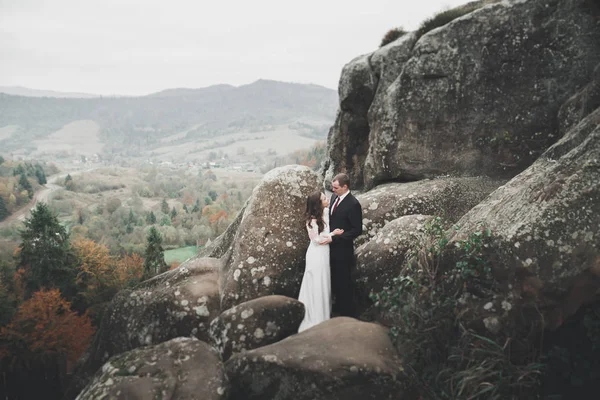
(342, 263)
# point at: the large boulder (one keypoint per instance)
(545, 226)
(270, 243)
(447, 197)
(256, 323)
(581, 104)
(341, 358)
(181, 302)
(380, 260)
(182, 368)
(362, 80)
(480, 95)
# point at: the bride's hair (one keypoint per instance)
(314, 209)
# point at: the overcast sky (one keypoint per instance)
(133, 47)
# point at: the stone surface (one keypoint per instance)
(380, 260)
(256, 323)
(341, 358)
(581, 104)
(545, 225)
(182, 368)
(450, 198)
(271, 240)
(361, 81)
(181, 302)
(478, 96)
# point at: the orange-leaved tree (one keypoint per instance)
(129, 269)
(95, 270)
(45, 329)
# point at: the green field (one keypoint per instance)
(181, 254)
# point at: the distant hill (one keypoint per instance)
(23, 91)
(215, 116)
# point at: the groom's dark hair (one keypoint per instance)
(343, 180)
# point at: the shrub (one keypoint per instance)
(392, 35)
(424, 307)
(444, 17)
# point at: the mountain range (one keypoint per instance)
(195, 120)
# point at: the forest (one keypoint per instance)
(99, 231)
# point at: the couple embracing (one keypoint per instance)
(330, 255)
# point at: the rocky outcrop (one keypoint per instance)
(545, 226)
(181, 302)
(380, 260)
(271, 240)
(182, 368)
(341, 358)
(581, 104)
(362, 80)
(447, 197)
(256, 323)
(480, 95)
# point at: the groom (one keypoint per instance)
(345, 213)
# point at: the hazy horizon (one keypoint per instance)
(74, 94)
(133, 48)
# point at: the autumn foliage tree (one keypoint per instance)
(44, 328)
(129, 269)
(95, 270)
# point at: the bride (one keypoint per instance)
(315, 291)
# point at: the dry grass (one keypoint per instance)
(77, 137)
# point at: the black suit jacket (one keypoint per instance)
(347, 216)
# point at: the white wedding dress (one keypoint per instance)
(315, 291)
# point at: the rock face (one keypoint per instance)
(447, 197)
(256, 323)
(363, 79)
(271, 240)
(480, 95)
(546, 227)
(380, 260)
(341, 358)
(181, 368)
(581, 104)
(181, 302)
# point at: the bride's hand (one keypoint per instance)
(337, 231)
(326, 240)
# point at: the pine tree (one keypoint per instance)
(154, 262)
(68, 182)
(40, 175)
(25, 185)
(173, 213)
(151, 218)
(164, 207)
(3, 210)
(130, 222)
(196, 206)
(185, 208)
(131, 218)
(45, 253)
(19, 170)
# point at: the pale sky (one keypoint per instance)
(134, 47)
